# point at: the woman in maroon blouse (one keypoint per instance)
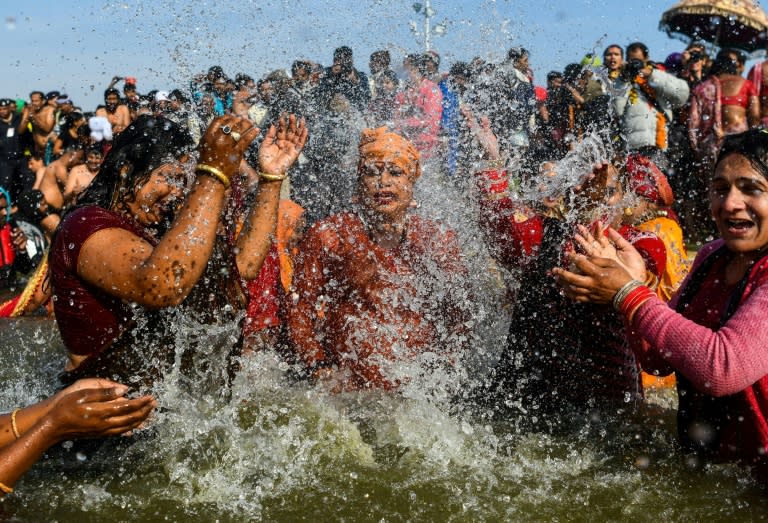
(126, 253)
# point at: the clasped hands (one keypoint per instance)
(603, 263)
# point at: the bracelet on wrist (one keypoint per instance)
(622, 293)
(272, 177)
(214, 172)
(14, 426)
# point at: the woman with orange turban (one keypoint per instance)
(377, 287)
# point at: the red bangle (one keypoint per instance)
(634, 299)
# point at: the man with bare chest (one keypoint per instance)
(114, 111)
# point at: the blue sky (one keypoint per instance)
(78, 47)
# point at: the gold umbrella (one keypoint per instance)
(724, 23)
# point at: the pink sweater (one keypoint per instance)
(721, 362)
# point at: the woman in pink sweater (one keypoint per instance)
(714, 332)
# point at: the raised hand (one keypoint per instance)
(595, 244)
(282, 145)
(225, 141)
(605, 267)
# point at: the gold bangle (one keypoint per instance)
(273, 177)
(213, 171)
(13, 423)
(5, 488)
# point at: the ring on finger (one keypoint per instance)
(226, 129)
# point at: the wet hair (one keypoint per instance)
(300, 65)
(242, 79)
(460, 69)
(389, 75)
(216, 72)
(110, 92)
(178, 96)
(94, 149)
(554, 75)
(724, 63)
(571, 73)
(28, 205)
(614, 46)
(635, 46)
(741, 58)
(381, 57)
(517, 52)
(752, 145)
(142, 147)
(343, 53)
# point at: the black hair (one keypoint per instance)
(178, 95)
(553, 75)
(460, 69)
(343, 53)
(723, 63)
(638, 46)
(242, 79)
(517, 52)
(300, 65)
(141, 147)
(381, 57)
(614, 46)
(571, 73)
(752, 145)
(390, 75)
(111, 91)
(42, 94)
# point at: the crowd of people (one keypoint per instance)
(285, 207)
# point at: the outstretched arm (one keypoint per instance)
(88, 409)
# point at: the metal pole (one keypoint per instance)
(427, 10)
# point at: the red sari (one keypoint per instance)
(365, 308)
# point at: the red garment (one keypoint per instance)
(88, 318)
(722, 361)
(417, 116)
(561, 356)
(515, 235)
(363, 307)
(7, 251)
(266, 293)
(741, 98)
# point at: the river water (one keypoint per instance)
(277, 450)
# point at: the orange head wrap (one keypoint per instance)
(382, 145)
(647, 180)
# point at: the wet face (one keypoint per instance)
(155, 202)
(36, 102)
(521, 63)
(112, 100)
(388, 85)
(385, 188)
(612, 59)
(93, 161)
(738, 199)
(266, 91)
(35, 164)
